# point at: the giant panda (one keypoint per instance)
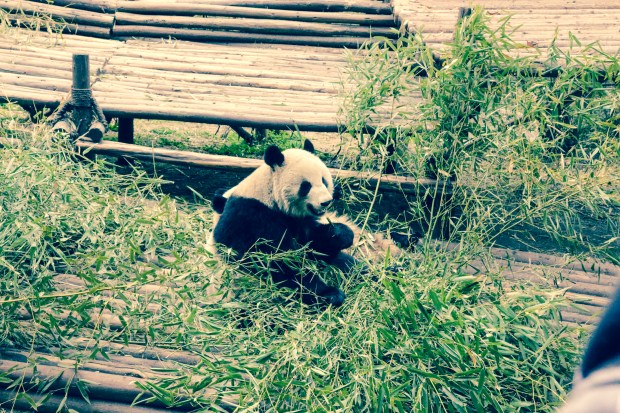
(281, 207)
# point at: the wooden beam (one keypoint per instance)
(388, 183)
(221, 36)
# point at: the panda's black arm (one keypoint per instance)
(330, 238)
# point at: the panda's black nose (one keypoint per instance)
(326, 203)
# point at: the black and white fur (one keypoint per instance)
(279, 208)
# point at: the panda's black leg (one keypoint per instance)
(343, 261)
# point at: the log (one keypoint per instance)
(356, 6)
(68, 15)
(192, 9)
(121, 32)
(251, 25)
(228, 163)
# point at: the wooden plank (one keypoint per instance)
(273, 83)
(68, 15)
(357, 6)
(147, 7)
(251, 25)
(219, 36)
(120, 108)
(259, 102)
(226, 68)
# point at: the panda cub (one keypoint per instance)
(281, 207)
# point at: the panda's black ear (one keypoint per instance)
(274, 157)
(308, 146)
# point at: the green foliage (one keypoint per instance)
(429, 338)
(525, 138)
(234, 145)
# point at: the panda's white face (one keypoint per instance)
(302, 185)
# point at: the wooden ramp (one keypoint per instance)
(272, 86)
(267, 64)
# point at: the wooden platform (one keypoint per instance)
(271, 86)
(535, 21)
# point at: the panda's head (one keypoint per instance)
(302, 186)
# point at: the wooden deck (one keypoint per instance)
(274, 86)
(535, 22)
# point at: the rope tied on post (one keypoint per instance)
(80, 115)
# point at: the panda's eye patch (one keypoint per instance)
(304, 188)
(325, 182)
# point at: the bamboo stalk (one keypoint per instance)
(192, 9)
(252, 25)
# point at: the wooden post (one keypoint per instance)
(81, 93)
(80, 115)
(125, 130)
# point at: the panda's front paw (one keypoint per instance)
(334, 296)
(342, 236)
